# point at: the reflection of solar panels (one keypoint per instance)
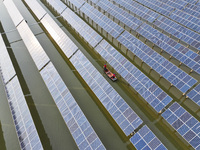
(25, 128)
(6, 67)
(184, 123)
(194, 95)
(179, 31)
(170, 72)
(91, 36)
(119, 14)
(138, 9)
(103, 21)
(145, 139)
(121, 112)
(178, 51)
(81, 130)
(155, 96)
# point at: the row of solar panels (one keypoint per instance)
(25, 128)
(168, 25)
(183, 82)
(154, 36)
(106, 51)
(80, 128)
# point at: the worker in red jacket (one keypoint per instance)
(105, 67)
(113, 75)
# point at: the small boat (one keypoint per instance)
(109, 74)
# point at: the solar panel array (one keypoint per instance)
(138, 9)
(175, 49)
(91, 36)
(192, 10)
(155, 96)
(119, 14)
(186, 19)
(145, 139)
(184, 123)
(121, 112)
(104, 22)
(194, 95)
(6, 67)
(25, 127)
(170, 72)
(179, 31)
(157, 6)
(81, 130)
(179, 4)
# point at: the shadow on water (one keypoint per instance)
(34, 113)
(2, 141)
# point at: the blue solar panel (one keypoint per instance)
(157, 6)
(138, 9)
(120, 14)
(58, 5)
(170, 72)
(121, 112)
(194, 95)
(178, 51)
(179, 31)
(155, 96)
(145, 139)
(81, 130)
(25, 127)
(186, 19)
(184, 123)
(192, 10)
(179, 4)
(103, 21)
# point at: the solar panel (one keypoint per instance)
(13, 11)
(170, 72)
(77, 3)
(179, 31)
(179, 4)
(155, 96)
(184, 123)
(192, 10)
(36, 8)
(186, 19)
(119, 14)
(138, 9)
(58, 5)
(194, 95)
(157, 6)
(78, 125)
(59, 36)
(121, 112)
(35, 49)
(175, 49)
(145, 139)
(24, 125)
(6, 67)
(103, 21)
